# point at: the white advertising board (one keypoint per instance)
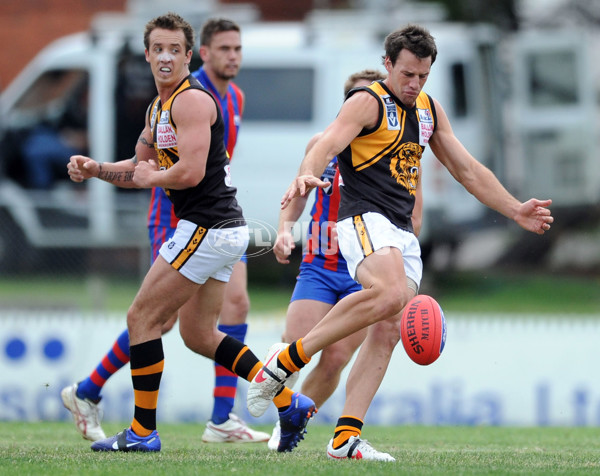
(495, 370)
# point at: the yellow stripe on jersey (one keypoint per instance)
(363, 235)
(382, 140)
(423, 102)
(190, 248)
(382, 153)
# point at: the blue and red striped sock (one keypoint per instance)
(225, 380)
(116, 358)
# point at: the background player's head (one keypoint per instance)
(221, 47)
(362, 78)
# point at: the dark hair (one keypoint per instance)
(415, 39)
(367, 74)
(216, 25)
(170, 21)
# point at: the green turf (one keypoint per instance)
(113, 295)
(55, 449)
(485, 292)
(490, 292)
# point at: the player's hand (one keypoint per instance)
(81, 168)
(535, 216)
(143, 173)
(301, 185)
(284, 244)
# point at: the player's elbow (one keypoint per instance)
(416, 224)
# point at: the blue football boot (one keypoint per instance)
(293, 421)
(127, 440)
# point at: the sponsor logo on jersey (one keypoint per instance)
(425, 126)
(391, 113)
(164, 117)
(165, 134)
(425, 115)
(227, 179)
(153, 118)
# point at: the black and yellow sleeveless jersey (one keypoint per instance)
(212, 202)
(380, 168)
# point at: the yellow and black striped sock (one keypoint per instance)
(283, 399)
(147, 363)
(347, 426)
(238, 358)
(292, 358)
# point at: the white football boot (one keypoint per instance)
(355, 448)
(86, 413)
(273, 442)
(234, 430)
(266, 383)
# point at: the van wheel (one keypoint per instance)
(15, 252)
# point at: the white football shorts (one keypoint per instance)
(199, 253)
(371, 232)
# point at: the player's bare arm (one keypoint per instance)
(193, 111)
(285, 243)
(533, 215)
(358, 112)
(118, 173)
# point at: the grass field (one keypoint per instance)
(55, 449)
(457, 292)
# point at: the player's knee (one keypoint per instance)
(167, 326)
(237, 304)
(390, 303)
(198, 342)
(387, 332)
(135, 317)
(334, 359)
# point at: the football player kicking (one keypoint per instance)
(379, 136)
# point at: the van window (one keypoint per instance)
(134, 91)
(47, 125)
(552, 78)
(48, 97)
(459, 89)
(277, 94)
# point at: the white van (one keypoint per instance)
(102, 74)
(293, 87)
(293, 76)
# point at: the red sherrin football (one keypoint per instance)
(423, 329)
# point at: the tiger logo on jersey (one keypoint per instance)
(164, 161)
(404, 166)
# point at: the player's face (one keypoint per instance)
(224, 54)
(167, 56)
(407, 77)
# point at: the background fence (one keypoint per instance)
(495, 370)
